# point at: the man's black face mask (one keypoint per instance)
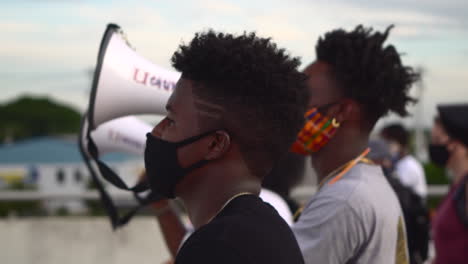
(162, 166)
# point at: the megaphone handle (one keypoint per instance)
(151, 198)
(109, 174)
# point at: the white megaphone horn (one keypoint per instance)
(125, 83)
(124, 134)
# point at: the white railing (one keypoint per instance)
(36, 195)
(300, 193)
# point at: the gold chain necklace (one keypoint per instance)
(227, 202)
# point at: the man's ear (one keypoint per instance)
(454, 146)
(219, 145)
(348, 110)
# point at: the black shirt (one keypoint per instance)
(247, 230)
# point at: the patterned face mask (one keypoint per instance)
(317, 131)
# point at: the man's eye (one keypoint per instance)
(170, 122)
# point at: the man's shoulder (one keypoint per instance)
(214, 241)
(358, 182)
(358, 194)
(244, 216)
(342, 219)
(250, 228)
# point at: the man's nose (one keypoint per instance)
(158, 129)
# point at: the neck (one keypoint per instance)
(403, 154)
(205, 201)
(338, 151)
(459, 170)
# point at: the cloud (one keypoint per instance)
(410, 22)
(450, 9)
(219, 6)
(18, 27)
(48, 46)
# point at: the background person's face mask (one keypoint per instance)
(439, 154)
(162, 166)
(395, 149)
(316, 133)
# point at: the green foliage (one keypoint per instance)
(62, 211)
(433, 202)
(20, 186)
(31, 117)
(435, 175)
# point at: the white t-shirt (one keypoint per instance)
(278, 203)
(410, 173)
(358, 219)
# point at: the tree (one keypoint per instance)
(31, 117)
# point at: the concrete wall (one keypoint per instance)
(77, 240)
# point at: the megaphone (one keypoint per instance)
(125, 83)
(124, 134)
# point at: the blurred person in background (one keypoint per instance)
(414, 208)
(355, 216)
(407, 168)
(449, 149)
(229, 121)
(285, 175)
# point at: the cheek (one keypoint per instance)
(454, 155)
(167, 131)
(393, 148)
(438, 136)
(458, 150)
(192, 153)
(315, 98)
(171, 134)
(434, 137)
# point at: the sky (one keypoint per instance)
(49, 47)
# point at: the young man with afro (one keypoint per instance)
(355, 216)
(234, 113)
